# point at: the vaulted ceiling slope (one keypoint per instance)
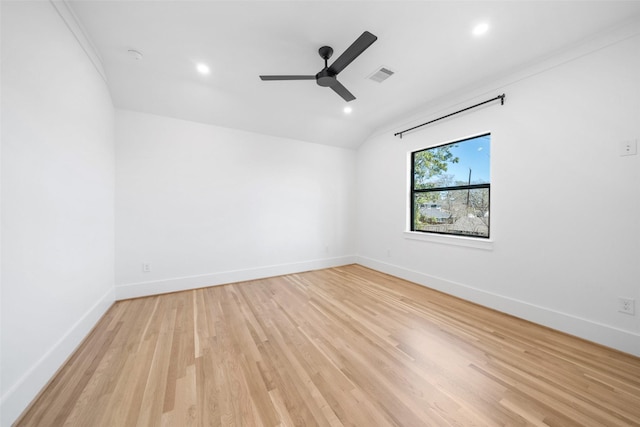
(428, 44)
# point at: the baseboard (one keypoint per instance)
(625, 341)
(142, 289)
(20, 395)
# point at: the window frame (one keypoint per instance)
(413, 191)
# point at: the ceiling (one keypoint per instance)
(428, 44)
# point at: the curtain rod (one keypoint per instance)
(500, 97)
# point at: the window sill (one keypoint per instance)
(469, 242)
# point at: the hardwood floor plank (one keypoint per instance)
(345, 346)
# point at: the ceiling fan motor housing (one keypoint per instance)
(325, 78)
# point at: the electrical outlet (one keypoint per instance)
(627, 306)
(146, 267)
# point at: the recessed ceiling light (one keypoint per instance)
(480, 29)
(203, 69)
(347, 109)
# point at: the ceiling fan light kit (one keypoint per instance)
(327, 77)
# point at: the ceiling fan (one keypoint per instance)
(327, 76)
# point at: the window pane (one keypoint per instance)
(461, 163)
(461, 212)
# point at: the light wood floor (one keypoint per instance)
(344, 346)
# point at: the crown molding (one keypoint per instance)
(73, 24)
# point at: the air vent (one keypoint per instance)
(381, 75)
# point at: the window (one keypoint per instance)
(450, 188)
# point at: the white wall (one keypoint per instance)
(57, 199)
(564, 205)
(205, 205)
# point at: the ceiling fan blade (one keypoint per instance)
(342, 91)
(287, 77)
(357, 47)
